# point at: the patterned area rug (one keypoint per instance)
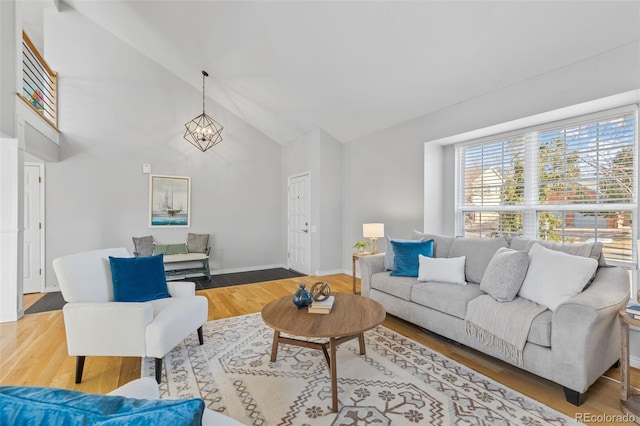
(398, 382)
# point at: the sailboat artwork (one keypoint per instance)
(169, 200)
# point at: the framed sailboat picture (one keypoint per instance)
(169, 201)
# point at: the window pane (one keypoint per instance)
(612, 228)
(588, 163)
(492, 224)
(494, 173)
(543, 181)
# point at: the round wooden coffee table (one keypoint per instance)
(350, 317)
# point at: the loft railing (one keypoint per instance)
(39, 83)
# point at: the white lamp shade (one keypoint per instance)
(373, 230)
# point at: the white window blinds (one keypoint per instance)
(569, 181)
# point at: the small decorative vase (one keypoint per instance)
(302, 297)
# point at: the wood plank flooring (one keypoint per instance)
(33, 351)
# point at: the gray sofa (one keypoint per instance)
(572, 346)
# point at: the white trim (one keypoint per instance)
(43, 280)
(12, 318)
(329, 272)
(610, 102)
(309, 245)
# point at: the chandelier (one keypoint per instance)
(203, 132)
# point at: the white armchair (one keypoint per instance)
(97, 326)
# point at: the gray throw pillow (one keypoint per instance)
(478, 252)
(197, 243)
(143, 246)
(505, 274)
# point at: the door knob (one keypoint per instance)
(305, 231)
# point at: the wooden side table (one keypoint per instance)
(357, 256)
(629, 402)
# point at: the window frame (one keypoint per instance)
(531, 206)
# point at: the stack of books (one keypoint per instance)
(321, 307)
(633, 310)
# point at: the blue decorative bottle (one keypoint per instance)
(302, 297)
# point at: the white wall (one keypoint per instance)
(330, 185)
(11, 158)
(320, 154)
(118, 110)
(7, 69)
(392, 160)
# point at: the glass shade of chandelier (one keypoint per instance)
(203, 132)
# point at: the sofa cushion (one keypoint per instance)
(389, 255)
(169, 249)
(478, 252)
(197, 243)
(138, 279)
(51, 406)
(442, 270)
(143, 246)
(554, 277)
(540, 331)
(518, 243)
(395, 286)
(445, 297)
(505, 274)
(442, 243)
(405, 261)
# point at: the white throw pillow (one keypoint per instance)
(554, 277)
(441, 269)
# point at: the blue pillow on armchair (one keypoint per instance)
(405, 262)
(138, 279)
(26, 405)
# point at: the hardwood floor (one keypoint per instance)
(33, 351)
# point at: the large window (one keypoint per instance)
(569, 181)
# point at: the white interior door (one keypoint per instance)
(33, 271)
(299, 245)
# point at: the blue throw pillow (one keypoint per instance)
(388, 254)
(26, 405)
(405, 262)
(138, 279)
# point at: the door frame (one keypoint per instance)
(41, 171)
(308, 248)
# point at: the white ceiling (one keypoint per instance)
(353, 68)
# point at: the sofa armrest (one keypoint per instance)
(108, 329)
(369, 265)
(181, 288)
(585, 333)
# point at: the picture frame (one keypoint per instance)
(169, 201)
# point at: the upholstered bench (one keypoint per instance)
(187, 258)
(187, 263)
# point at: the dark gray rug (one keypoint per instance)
(50, 302)
(54, 301)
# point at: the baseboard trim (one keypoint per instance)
(247, 269)
(11, 317)
(329, 272)
(634, 361)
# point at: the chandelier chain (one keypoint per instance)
(203, 96)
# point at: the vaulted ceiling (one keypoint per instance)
(353, 68)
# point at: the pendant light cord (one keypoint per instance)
(204, 74)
